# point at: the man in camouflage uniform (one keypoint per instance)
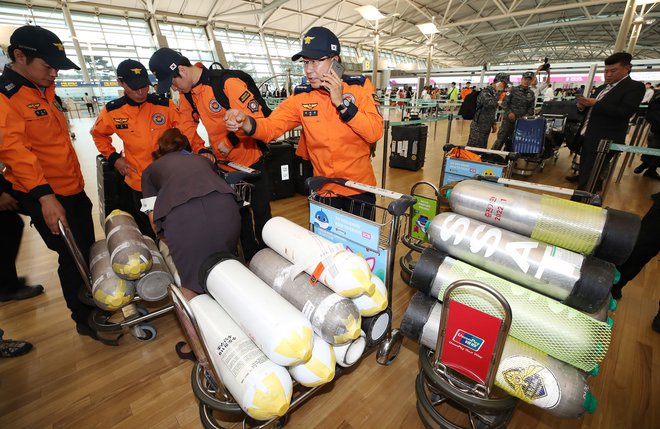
(484, 118)
(518, 103)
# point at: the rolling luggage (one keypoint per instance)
(279, 165)
(529, 136)
(408, 146)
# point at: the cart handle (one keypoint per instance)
(397, 207)
(242, 172)
(76, 254)
(595, 198)
(508, 155)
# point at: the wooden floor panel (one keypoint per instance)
(69, 381)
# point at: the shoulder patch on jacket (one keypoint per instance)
(8, 88)
(302, 88)
(115, 104)
(158, 100)
(354, 80)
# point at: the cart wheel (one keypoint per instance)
(98, 320)
(144, 332)
(206, 417)
(141, 311)
(206, 392)
(389, 348)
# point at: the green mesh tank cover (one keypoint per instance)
(558, 214)
(548, 325)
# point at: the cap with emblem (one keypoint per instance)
(502, 77)
(163, 65)
(41, 43)
(133, 74)
(528, 75)
(318, 42)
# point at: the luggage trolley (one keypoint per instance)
(494, 163)
(461, 371)
(375, 239)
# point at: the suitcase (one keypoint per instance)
(302, 168)
(529, 136)
(279, 167)
(408, 146)
(113, 191)
(566, 108)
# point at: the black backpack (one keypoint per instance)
(469, 106)
(218, 75)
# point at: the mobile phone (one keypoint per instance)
(337, 67)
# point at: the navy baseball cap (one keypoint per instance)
(528, 75)
(133, 74)
(163, 65)
(318, 42)
(41, 43)
(502, 77)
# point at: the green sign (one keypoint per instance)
(423, 212)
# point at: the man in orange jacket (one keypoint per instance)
(139, 119)
(198, 102)
(340, 120)
(42, 165)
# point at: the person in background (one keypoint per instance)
(42, 165)
(339, 117)
(89, 103)
(484, 119)
(452, 95)
(466, 90)
(138, 119)
(192, 209)
(548, 94)
(650, 163)
(518, 103)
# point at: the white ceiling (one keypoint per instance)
(474, 32)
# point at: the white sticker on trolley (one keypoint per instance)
(368, 188)
(284, 172)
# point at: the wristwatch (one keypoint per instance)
(344, 105)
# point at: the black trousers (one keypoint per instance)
(254, 217)
(11, 231)
(646, 247)
(79, 216)
(142, 220)
(360, 204)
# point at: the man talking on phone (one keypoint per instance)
(339, 116)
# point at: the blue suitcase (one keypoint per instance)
(529, 136)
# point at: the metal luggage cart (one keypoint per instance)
(458, 377)
(373, 232)
(132, 317)
(454, 169)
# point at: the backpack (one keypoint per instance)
(469, 106)
(218, 75)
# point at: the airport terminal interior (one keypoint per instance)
(573, 356)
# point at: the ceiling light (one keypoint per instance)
(370, 13)
(428, 28)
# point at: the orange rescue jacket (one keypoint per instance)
(139, 126)
(212, 115)
(337, 145)
(36, 147)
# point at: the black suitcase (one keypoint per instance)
(302, 169)
(408, 146)
(279, 167)
(529, 136)
(566, 108)
(113, 191)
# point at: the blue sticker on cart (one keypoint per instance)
(377, 260)
(344, 225)
(461, 169)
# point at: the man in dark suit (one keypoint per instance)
(608, 112)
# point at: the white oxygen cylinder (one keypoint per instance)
(348, 354)
(342, 271)
(319, 369)
(370, 305)
(165, 251)
(261, 388)
(276, 326)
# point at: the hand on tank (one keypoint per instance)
(52, 211)
(333, 84)
(123, 167)
(7, 202)
(236, 120)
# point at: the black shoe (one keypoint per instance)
(14, 348)
(653, 174)
(85, 330)
(23, 292)
(186, 356)
(572, 179)
(640, 168)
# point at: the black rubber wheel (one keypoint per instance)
(492, 406)
(144, 332)
(205, 391)
(98, 321)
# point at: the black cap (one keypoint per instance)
(318, 42)
(163, 64)
(41, 43)
(133, 74)
(528, 74)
